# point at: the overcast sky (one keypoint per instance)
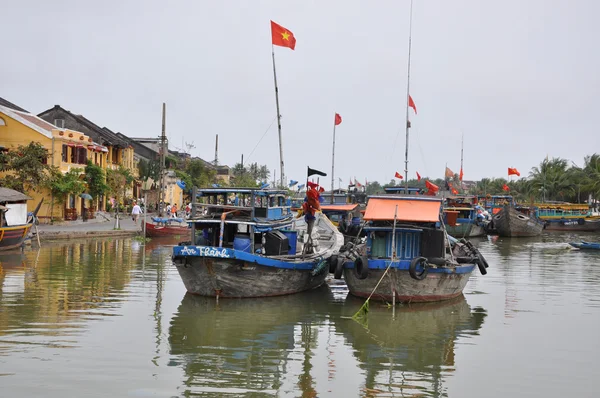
(519, 78)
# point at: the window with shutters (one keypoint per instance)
(65, 153)
(82, 155)
(73, 157)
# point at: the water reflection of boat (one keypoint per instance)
(413, 352)
(239, 345)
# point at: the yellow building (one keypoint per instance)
(68, 149)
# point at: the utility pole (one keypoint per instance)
(163, 155)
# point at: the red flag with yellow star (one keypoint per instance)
(282, 37)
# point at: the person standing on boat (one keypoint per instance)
(309, 207)
(135, 212)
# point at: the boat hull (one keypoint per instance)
(13, 237)
(578, 224)
(509, 222)
(157, 231)
(240, 279)
(223, 272)
(586, 245)
(437, 286)
(465, 230)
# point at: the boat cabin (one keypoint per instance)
(402, 191)
(13, 208)
(247, 219)
(562, 210)
(418, 229)
(460, 209)
(493, 203)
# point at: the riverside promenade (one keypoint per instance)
(101, 226)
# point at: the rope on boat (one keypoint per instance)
(364, 310)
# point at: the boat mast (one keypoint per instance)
(163, 150)
(282, 177)
(407, 99)
(462, 141)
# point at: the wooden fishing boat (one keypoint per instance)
(163, 227)
(586, 245)
(427, 264)
(14, 221)
(568, 217)
(517, 221)
(254, 250)
(463, 217)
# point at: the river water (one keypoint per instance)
(112, 318)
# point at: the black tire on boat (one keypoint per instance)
(412, 269)
(436, 260)
(482, 264)
(581, 221)
(339, 269)
(466, 260)
(333, 260)
(361, 267)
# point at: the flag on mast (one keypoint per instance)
(282, 37)
(338, 119)
(411, 103)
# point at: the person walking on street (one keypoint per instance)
(174, 210)
(135, 212)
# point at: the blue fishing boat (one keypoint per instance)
(464, 217)
(586, 245)
(247, 243)
(407, 241)
(559, 216)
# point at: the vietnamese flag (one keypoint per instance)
(460, 176)
(282, 37)
(411, 103)
(398, 175)
(513, 171)
(313, 185)
(432, 187)
(418, 176)
(338, 119)
(506, 187)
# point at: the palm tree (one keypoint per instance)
(551, 179)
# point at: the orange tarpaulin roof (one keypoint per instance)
(379, 208)
(339, 207)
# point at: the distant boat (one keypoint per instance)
(163, 227)
(568, 217)
(462, 217)
(14, 221)
(517, 221)
(254, 250)
(586, 245)
(416, 250)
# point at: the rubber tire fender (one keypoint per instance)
(361, 267)
(333, 260)
(412, 269)
(482, 264)
(580, 221)
(339, 269)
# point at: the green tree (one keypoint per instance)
(149, 169)
(249, 176)
(64, 184)
(27, 167)
(118, 181)
(550, 178)
(95, 179)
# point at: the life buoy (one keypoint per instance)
(339, 269)
(412, 269)
(361, 267)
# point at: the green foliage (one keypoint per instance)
(149, 169)
(62, 185)
(95, 178)
(251, 176)
(27, 166)
(118, 181)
